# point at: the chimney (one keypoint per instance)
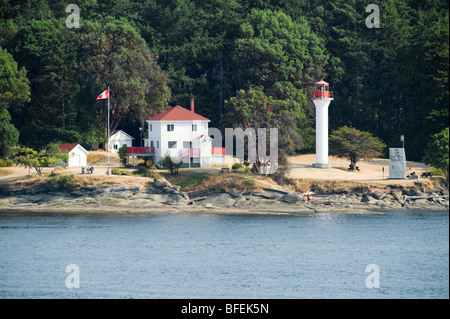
(192, 104)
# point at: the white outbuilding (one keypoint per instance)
(77, 154)
(397, 163)
(120, 139)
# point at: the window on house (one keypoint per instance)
(194, 127)
(116, 146)
(172, 144)
(187, 144)
(170, 127)
(150, 126)
(157, 144)
(152, 144)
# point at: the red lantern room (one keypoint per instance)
(322, 90)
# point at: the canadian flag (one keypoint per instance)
(104, 95)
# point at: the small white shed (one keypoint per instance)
(397, 163)
(119, 139)
(77, 154)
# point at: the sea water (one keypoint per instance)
(397, 254)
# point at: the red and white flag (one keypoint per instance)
(104, 95)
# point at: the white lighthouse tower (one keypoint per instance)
(322, 98)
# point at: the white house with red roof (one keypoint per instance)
(119, 139)
(77, 154)
(181, 133)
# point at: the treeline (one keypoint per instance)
(246, 62)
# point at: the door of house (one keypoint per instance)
(76, 160)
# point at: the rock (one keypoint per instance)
(7, 200)
(160, 183)
(38, 189)
(240, 202)
(153, 190)
(88, 188)
(175, 199)
(378, 195)
(291, 198)
(397, 194)
(119, 194)
(367, 198)
(78, 193)
(123, 191)
(402, 202)
(22, 199)
(269, 195)
(175, 188)
(346, 199)
(411, 191)
(420, 202)
(235, 194)
(170, 190)
(139, 196)
(185, 195)
(219, 200)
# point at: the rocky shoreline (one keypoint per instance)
(161, 196)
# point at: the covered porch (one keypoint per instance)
(143, 151)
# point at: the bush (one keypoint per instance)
(146, 172)
(6, 163)
(167, 163)
(123, 154)
(66, 182)
(236, 166)
(116, 171)
(249, 182)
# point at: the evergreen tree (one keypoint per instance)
(437, 152)
(113, 54)
(348, 142)
(14, 91)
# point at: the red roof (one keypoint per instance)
(178, 113)
(67, 147)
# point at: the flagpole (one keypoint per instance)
(107, 172)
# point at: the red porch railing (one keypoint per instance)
(218, 150)
(141, 150)
(190, 152)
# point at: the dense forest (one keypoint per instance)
(153, 54)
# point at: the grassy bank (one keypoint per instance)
(199, 182)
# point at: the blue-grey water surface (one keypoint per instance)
(322, 255)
